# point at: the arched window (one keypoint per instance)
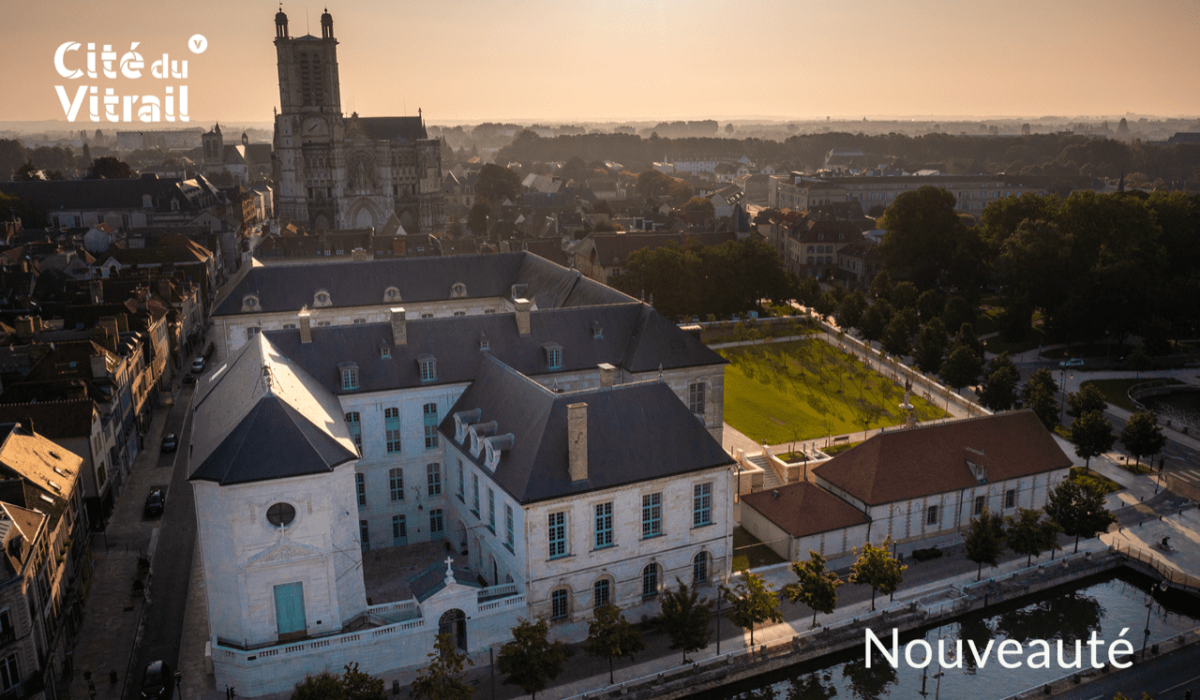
(558, 604)
(602, 593)
(650, 580)
(700, 568)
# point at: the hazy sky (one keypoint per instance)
(562, 60)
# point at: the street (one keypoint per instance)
(1162, 678)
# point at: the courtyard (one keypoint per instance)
(805, 389)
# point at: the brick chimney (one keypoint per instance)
(26, 325)
(522, 306)
(305, 326)
(399, 326)
(577, 446)
(608, 374)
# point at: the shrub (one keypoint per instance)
(926, 554)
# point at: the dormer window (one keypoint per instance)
(349, 371)
(458, 290)
(250, 303)
(391, 294)
(321, 298)
(385, 353)
(597, 330)
(484, 343)
(553, 356)
(495, 447)
(428, 368)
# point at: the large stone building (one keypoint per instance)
(334, 172)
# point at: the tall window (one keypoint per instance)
(700, 568)
(558, 604)
(391, 427)
(10, 672)
(364, 534)
(349, 378)
(475, 493)
(558, 535)
(604, 525)
(652, 515)
(433, 477)
(508, 526)
(602, 593)
(1010, 498)
(355, 426)
(650, 580)
(491, 510)
(462, 489)
(360, 486)
(436, 524)
(431, 421)
(696, 401)
(979, 503)
(399, 527)
(931, 515)
(396, 483)
(702, 504)
(428, 369)
(554, 357)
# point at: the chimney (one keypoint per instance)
(399, 326)
(96, 291)
(608, 374)
(305, 326)
(359, 255)
(577, 451)
(522, 306)
(164, 288)
(26, 325)
(99, 367)
(111, 328)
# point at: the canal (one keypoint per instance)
(1103, 604)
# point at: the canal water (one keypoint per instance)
(1105, 605)
(1181, 408)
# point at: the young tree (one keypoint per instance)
(877, 568)
(1079, 509)
(985, 540)
(1086, 400)
(1092, 435)
(1039, 393)
(753, 603)
(1142, 436)
(530, 661)
(611, 636)
(442, 678)
(930, 346)
(962, 367)
(685, 619)
(815, 587)
(323, 686)
(361, 686)
(1028, 534)
(1000, 383)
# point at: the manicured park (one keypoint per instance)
(804, 389)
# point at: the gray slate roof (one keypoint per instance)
(400, 129)
(636, 432)
(362, 283)
(634, 337)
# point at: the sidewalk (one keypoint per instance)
(112, 613)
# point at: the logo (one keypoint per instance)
(170, 105)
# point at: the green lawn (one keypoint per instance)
(805, 389)
(1116, 391)
(750, 553)
(838, 449)
(1106, 484)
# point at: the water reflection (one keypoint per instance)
(1065, 614)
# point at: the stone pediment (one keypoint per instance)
(282, 552)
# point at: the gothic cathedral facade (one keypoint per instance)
(333, 172)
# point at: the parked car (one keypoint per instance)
(189, 379)
(158, 683)
(156, 502)
(198, 365)
(170, 443)
(1073, 362)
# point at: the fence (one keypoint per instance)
(1149, 560)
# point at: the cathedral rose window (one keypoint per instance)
(281, 514)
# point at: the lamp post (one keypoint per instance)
(1062, 378)
(1149, 607)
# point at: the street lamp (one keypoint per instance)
(1149, 607)
(1062, 379)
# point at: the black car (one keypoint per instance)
(158, 683)
(189, 379)
(170, 443)
(156, 501)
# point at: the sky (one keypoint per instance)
(637, 60)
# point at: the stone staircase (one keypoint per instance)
(770, 478)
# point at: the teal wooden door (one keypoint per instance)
(399, 531)
(289, 608)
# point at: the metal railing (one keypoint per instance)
(1173, 576)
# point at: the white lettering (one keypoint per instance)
(1113, 654)
(71, 107)
(132, 63)
(987, 650)
(1006, 648)
(894, 657)
(61, 66)
(1092, 644)
(1078, 656)
(922, 644)
(1044, 653)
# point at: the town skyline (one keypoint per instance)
(491, 62)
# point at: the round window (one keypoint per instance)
(281, 514)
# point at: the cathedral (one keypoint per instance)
(333, 172)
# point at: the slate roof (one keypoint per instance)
(57, 420)
(636, 432)
(804, 508)
(258, 393)
(634, 337)
(932, 459)
(123, 193)
(362, 283)
(425, 583)
(400, 129)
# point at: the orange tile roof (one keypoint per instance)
(925, 460)
(804, 509)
